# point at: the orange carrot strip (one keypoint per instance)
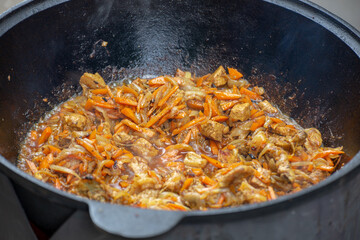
(109, 163)
(227, 105)
(276, 120)
(207, 181)
(44, 135)
(310, 167)
(157, 81)
(125, 101)
(117, 153)
(221, 198)
(138, 107)
(101, 91)
(186, 184)
(187, 138)
(213, 161)
(164, 119)
(206, 109)
(195, 104)
(250, 94)
(180, 115)
(128, 112)
(173, 206)
(214, 148)
(327, 153)
(101, 104)
(200, 80)
(137, 128)
(127, 89)
(109, 92)
(189, 124)
(214, 109)
(92, 135)
(54, 149)
(220, 118)
(89, 147)
(272, 193)
(226, 96)
(123, 184)
(259, 122)
(167, 96)
(257, 114)
(234, 74)
(156, 118)
(32, 166)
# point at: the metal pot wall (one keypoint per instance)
(297, 50)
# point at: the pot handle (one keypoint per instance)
(132, 222)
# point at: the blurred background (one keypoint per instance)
(349, 10)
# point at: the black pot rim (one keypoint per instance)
(340, 28)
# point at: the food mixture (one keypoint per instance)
(175, 143)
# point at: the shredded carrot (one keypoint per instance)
(127, 89)
(125, 101)
(124, 184)
(250, 94)
(208, 181)
(214, 162)
(276, 120)
(173, 206)
(327, 153)
(221, 200)
(188, 137)
(138, 107)
(100, 104)
(226, 96)
(137, 128)
(187, 184)
(214, 108)
(310, 167)
(272, 193)
(89, 147)
(257, 114)
(200, 80)
(93, 134)
(227, 105)
(189, 124)
(214, 148)
(206, 109)
(234, 74)
(109, 91)
(167, 96)
(101, 91)
(128, 112)
(164, 119)
(220, 118)
(195, 104)
(109, 163)
(155, 82)
(32, 166)
(156, 118)
(44, 135)
(259, 122)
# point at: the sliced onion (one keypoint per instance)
(64, 170)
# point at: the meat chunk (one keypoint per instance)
(194, 160)
(193, 200)
(213, 130)
(267, 107)
(92, 81)
(217, 77)
(144, 148)
(122, 138)
(240, 112)
(284, 131)
(174, 182)
(313, 140)
(75, 121)
(238, 172)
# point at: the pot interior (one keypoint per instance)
(310, 73)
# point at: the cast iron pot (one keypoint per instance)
(307, 58)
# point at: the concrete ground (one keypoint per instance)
(349, 10)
